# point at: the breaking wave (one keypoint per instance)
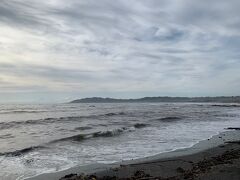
(81, 137)
(112, 133)
(75, 138)
(21, 151)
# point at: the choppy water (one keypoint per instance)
(47, 138)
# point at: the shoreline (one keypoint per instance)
(124, 169)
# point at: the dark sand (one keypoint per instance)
(217, 158)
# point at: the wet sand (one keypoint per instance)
(216, 158)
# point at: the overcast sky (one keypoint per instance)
(59, 50)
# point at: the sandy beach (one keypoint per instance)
(214, 158)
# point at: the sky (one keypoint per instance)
(58, 50)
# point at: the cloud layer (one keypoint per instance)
(122, 48)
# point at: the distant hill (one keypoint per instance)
(219, 99)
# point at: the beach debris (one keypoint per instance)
(180, 170)
(140, 174)
(69, 176)
(205, 165)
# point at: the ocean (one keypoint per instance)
(40, 138)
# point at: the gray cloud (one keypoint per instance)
(21, 13)
(174, 47)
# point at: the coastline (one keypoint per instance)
(174, 164)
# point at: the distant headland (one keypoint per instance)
(218, 99)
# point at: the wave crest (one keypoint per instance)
(21, 151)
(81, 137)
(7, 125)
(108, 133)
(169, 119)
(140, 125)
